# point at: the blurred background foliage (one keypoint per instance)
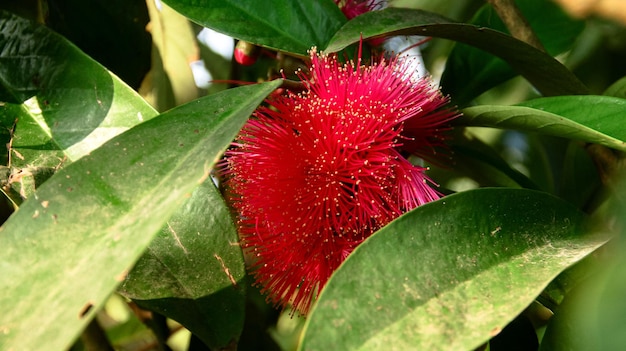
(170, 61)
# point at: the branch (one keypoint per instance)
(516, 23)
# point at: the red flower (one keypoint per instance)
(353, 8)
(316, 173)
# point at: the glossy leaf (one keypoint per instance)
(572, 122)
(68, 247)
(60, 104)
(470, 71)
(74, 102)
(540, 69)
(112, 32)
(448, 275)
(617, 89)
(285, 25)
(604, 114)
(193, 270)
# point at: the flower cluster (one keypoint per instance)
(314, 174)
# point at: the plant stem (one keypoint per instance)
(516, 23)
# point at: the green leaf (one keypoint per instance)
(479, 161)
(573, 121)
(592, 315)
(604, 114)
(171, 82)
(617, 89)
(68, 247)
(449, 274)
(470, 71)
(60, 104)
(193, 271)
(284, 25)
(111, 32)
(547, 75)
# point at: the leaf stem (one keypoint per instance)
(515, 22)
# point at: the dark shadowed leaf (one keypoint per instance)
(113, 32)
(193, 270)
(470, 71)
(448, 275)
(547, 75)
(592, 315)
(473, 158)
(76, 239)
(285, 25)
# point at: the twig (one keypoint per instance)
(516, 23)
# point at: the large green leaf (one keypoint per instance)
(470, 71)
(71, 244)
(193, 270)
(285, 25)
(595, 123)
(70, 100)
(448, 275)
(59, 103)
(540, 69)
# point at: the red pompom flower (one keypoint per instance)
(353, 8)
(316, 173)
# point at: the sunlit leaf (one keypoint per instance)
(604, 114)
(170, 81)
(449, 275)
(70, 102)
(59, 103)
(71, 244)
(586, 118)
(285, 25)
